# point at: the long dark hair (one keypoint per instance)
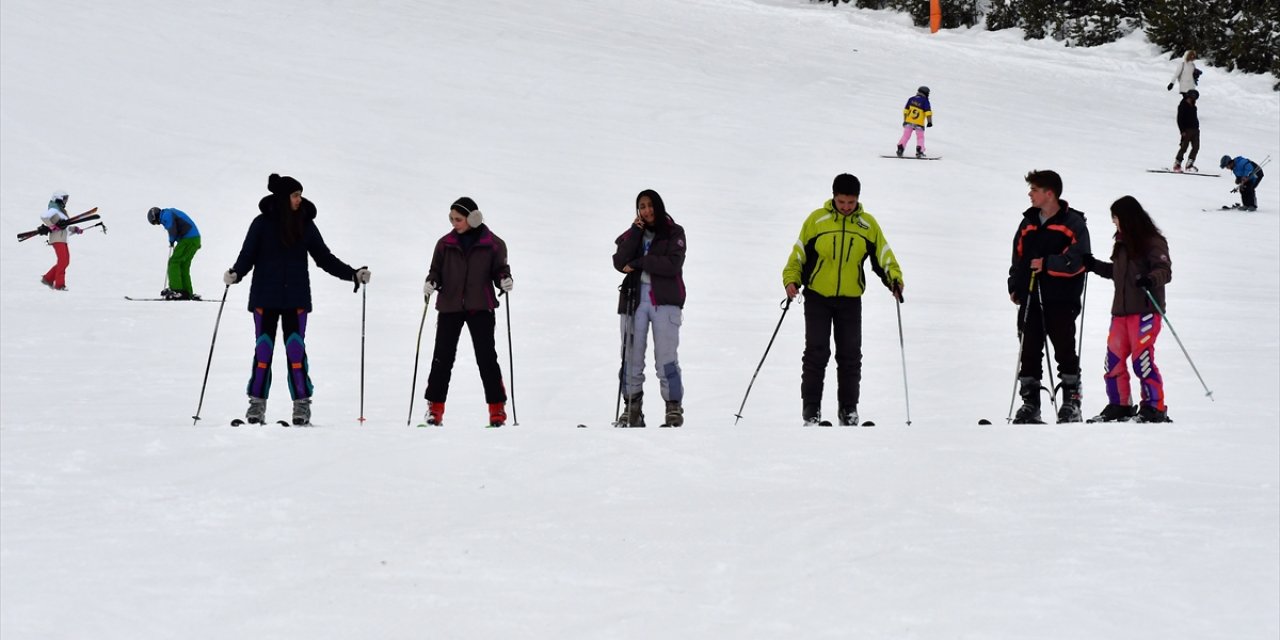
(659, 209)
(1136, 229)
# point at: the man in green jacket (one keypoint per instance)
(827, 260)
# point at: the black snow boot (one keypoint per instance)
(1148, 413)
(1116, 413)
(849, 416)
(812, 414)
(899, 151)
(675, 415)
(632, 411)
(1070, 410)
(1029, 412)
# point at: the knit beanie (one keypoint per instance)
(283, 186)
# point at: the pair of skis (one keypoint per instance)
(87, 216)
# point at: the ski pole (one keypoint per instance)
(785, 304)
(100, 224)
(1165, 320)
(209, 364)
(902, 348)
(1022, 339)
(1048, 353)
(628, 334)
(166, 269)
(511, 360)
(364, 298)
(413, 391)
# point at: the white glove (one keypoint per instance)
(75, 231)
(506, 284)
(363, 276)
(229, 278)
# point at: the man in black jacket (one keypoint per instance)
(1046, 280)
(1189, 127)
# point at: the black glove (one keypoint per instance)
(1169, 88)
(1089, 261)
(43, 230)
(896, 288)
(1145, 282)
(929, 125)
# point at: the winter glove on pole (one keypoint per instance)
(361, 276)
(506, 284)
(230, 277)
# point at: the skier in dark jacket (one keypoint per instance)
(1189, 130)
(466, 265)
(651, 254)
(1140, 268)
(1046, 280)
(276, 249)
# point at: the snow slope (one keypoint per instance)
(118, 519)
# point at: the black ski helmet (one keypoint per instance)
(1225, 162)
(924, 91)
(153, 215)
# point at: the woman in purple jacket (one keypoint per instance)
(466, 265)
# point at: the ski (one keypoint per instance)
(87, 216)
(913, 157)
(131, 298)
(1229, 207)
(1185, 173)
(239, 422)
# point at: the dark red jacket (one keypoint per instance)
(664, 262)
(467, 275)
(1129, 298)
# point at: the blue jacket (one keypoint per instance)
(1244, 169)
(281, 279)
(178, 224)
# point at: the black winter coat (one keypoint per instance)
(664, 262)
(1063, 242)
(280, 273)
(1188, 116)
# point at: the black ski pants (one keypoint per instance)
(481, 325)
(1059, 320)
(823, 318)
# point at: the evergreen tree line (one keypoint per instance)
(1232, 34)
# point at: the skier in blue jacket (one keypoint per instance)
(184, 240)
(1248, 174)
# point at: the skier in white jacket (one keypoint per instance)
(55, 219)
(1186, 74)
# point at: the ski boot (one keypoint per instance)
(919, 152)
(1115, 413)
(1177, 167)
(497, 414)
(257, 413)
(848, 416)
(1191, 167)
(435, 414)
(812, 414)
(899, 151)
(675, 414)
(1029, 412)
(632, 411)
(1070, 410)
(1148, 413)
(302, 412)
